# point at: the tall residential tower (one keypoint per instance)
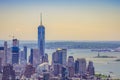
(41, 38)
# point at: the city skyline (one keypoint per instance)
(64, 20)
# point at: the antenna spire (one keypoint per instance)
(40, 18)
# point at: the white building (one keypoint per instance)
(44, 67)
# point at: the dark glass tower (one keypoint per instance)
(15, 55)
(25, 52)
(31, 57)
(41, 38)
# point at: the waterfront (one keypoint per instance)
(102, 65)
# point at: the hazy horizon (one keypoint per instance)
(69, 20)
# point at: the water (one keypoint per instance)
(102, 65)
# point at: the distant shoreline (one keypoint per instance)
(105, 57)
(117, 60)
(70, 44)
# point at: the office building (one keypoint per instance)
(35, 57)
(76, 66)
(15, 55)
(80, 65)
(63, 73)
(44, 67)
(41, 38)
(22, 59)
(15, 51)
(57, 69)
(29, 70)
(15, 43)
(9, 56)
(46, 76)
(31, 57)
(25, 52)
(70, 61)
(8, 72)
(19, 70)
(90, 68)
(55, 58)
(60, 56)
(45, 58)
(5, 50)
(58, 60)
(0, 65)
(71, 66)
(2, 56)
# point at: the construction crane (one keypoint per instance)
(12, 36)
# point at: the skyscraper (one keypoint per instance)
(71, 66)
(45, 58)
(15, 43)
(25, 52)
(64, 73)
(5, 50)
(31, 57)
(62, 56)
(80, 66)
(22, 59)
(54, 58)
(58, 60)
(41, 38)
(90, 68)
(57, 69)
(15, 51)
(15, 55)
(76, 66)
(34, 57)
(2, 56)
(59, 56)
(70, 61)
(0, 65)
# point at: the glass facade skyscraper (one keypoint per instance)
(15, 55)
(41, 38)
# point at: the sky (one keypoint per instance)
(94, 20)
